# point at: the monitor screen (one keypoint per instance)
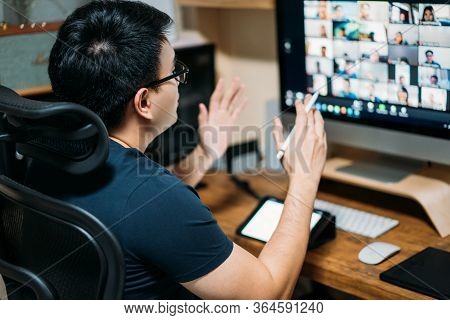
(379, 63)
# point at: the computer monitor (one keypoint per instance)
(382, 69)
(181, 139)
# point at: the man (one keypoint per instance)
(113, 57)
(434, 80)
(323, 10)
(338, 13)
(342, 33)
(372, 95)
(430, 60)
(347, 91)
(350, 70)
(323, 51)
(364, 11)
(323, 32)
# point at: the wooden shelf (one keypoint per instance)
(229, 4)
(35, 90)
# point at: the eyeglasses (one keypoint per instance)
(179, 74)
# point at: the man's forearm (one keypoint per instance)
(192, 169)
(284, 254)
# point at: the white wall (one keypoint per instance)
(167, 6)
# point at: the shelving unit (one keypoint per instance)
(26, 29)
(212, 4)
(34, 91)
(13, 30)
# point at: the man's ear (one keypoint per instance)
(142, 103)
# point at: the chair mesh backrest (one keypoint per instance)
(71, 149)
(65, 251)
(56, 251)
(9, 165)
(65, 135)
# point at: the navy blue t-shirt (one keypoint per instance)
(167, 235)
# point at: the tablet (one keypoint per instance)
(263, 221)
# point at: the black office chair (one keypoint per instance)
(50, 249)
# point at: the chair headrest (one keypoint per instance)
(65, 135)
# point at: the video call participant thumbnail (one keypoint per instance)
(434, 14)
(436, 57)
(403, 35)
(434, 98)
(433, 77)
(403, 95)
(345, 88)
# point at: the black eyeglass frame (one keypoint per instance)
(175, 75)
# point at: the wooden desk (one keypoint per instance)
(336, 263)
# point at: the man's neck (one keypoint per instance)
(133, 133)
(120, 141)
(130, 140)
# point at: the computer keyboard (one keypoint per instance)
(357, 221)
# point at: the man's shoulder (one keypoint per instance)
(148, 182)
(436, 64)
(133, 162)
(163, 189)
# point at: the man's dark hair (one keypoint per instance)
(429, 51)
(104, 52)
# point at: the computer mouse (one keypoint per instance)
(377, 252)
